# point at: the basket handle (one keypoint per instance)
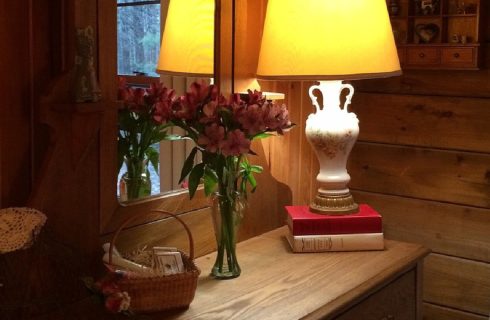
(159, 212)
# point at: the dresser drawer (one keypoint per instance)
(396, 301)
(459, 57)
(423, 56)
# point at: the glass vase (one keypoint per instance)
(135, 182)
(227, 213)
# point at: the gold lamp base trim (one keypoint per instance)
(334, 204)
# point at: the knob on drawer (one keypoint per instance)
(456, 55)
(422, 55)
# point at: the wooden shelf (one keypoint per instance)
(472, 15)
(438, 52)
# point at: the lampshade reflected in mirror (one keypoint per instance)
(187, 47)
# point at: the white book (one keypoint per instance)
(337, 242)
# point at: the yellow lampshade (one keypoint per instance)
(327, 40)
(188, 39)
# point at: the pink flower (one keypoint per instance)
(163, 105)
(162, 112)
(107, 285)
(118, 302)
(212, 138)
(199, 94)
(276, 117)
(184, 184)
(255, 97)
(252, 119)
(235, 144)
(210, 112)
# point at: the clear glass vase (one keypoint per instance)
(227, 214)
(135, 182)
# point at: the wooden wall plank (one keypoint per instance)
(15, 109)
(444, 228)
(169, 232)
(459, 283)
(295, 141)
(434, 312)
(430, 121)
(457, 177)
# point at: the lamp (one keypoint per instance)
(329, 41)
(188, 39)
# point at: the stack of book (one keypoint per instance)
(312, 232)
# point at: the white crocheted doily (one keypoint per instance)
(19, 227)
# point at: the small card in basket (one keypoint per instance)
(167, 261)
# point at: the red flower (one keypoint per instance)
(163, 104)
(212, 138)
(118, 302)
(210, 112)
(255, 97)
(235, 144)
(199, 94)
(107, 285)
(276, 117)
(252, 119)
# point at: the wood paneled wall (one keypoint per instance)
(423, 161)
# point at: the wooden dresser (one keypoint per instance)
(277, 284)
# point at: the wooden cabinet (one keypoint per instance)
(437, 34)
(278, 284)
(395, 301)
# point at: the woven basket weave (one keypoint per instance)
(161, 292)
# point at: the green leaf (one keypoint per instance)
(159, 136)
(122, 150)
(152, 155)
(210, 181)
(188, 164)
(252, 181)
(256, 169)
(195, 177)
(262, 135)
(173, 137)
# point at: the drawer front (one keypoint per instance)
(396, 301)
(423, 56)
(459, 56)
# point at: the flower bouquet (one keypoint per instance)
(223, 130)
(140, 126)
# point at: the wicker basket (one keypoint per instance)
(161, 292)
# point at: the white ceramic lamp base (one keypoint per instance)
(332, 132)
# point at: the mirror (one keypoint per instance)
(112, 211)
(149, 164)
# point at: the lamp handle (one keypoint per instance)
(314, 99)
(348, 98)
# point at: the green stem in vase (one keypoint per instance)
(225, 218)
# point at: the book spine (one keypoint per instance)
(339, 242)
(323, 227)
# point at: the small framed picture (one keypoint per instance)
(167, 262)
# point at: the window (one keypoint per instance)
(139, 28)
(138, 37)
(138, 45)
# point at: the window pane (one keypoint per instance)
(138, 42)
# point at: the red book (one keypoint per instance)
(302, 221)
